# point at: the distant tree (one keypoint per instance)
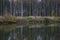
(3, 4)
(54, 13)
(21, 6)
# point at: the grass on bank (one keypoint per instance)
(8, 18)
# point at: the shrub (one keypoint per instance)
(46, 21)
(27, 19)
(9, 18)
(1, 20)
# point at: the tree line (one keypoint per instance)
(30, 7)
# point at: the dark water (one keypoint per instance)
(25, 33)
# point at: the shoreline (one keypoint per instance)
(33, 17)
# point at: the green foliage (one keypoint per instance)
(1, 20)
(46, 21)
(9, 18)
(54, 13)
(27, 19)
(57, 19)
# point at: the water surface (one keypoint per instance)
(30, 33)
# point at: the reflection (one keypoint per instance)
(12, 36)
(39, 37)
(25, 39)
(8, 27)
(52, 38)
(39, 0)
(43, 33)
(9, 38)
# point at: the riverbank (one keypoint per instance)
(33, 17)
(9, 19)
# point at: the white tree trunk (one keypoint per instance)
(21, 7)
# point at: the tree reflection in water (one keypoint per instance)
(34, 35)
(39, 37)
(43, 33)
(9, 38)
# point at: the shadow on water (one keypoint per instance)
(26, 33)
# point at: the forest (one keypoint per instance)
(30, 7)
